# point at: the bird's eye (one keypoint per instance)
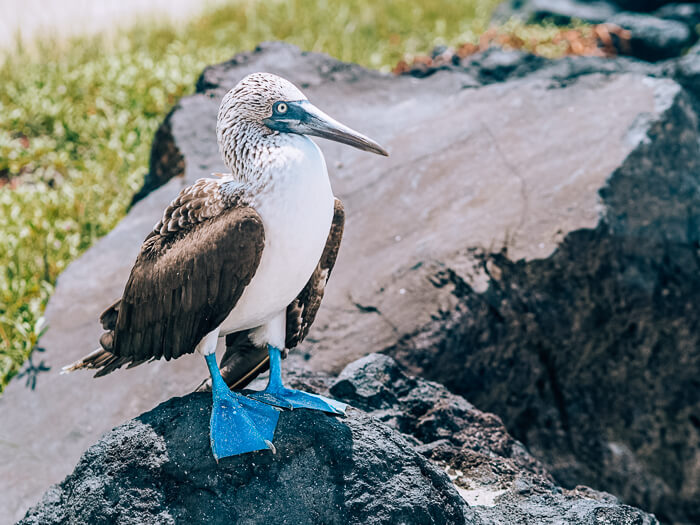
(281, 108)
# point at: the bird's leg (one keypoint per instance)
(278, 395)
(238, 424)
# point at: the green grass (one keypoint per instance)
(77, 119)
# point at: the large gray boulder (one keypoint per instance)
(158, 467)
(585, 189)
(622, 365)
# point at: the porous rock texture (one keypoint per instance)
(618, 338)
(157, 468)
(495, 473)
(558, 11)
(660, 35)
(531, 242)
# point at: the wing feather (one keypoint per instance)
(191, 271)
(175, 294)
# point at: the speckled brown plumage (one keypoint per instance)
(242, 361)
(183, 285)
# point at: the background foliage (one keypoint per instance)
(77, 119)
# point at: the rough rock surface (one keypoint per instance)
(495, 473)
(664, 34)
(557, 11)
(582, 183)
(653, 38)
(158, 468)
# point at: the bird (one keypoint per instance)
(246, 256)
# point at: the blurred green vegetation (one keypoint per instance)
(77, 119)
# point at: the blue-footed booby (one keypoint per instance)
(245, 256)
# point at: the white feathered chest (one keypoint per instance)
(296, 207)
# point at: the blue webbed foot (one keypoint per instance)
(277, 395)
(290, 399)
(238, 424)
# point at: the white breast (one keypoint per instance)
(297, 212)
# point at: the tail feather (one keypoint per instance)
(242, 362)
(100, 359)
(103, 359)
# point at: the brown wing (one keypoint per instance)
(243, 361)
(183, 285)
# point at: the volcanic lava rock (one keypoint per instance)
(158, 467)
(653, 38)
(557, 11)
(665, 34)
(492, 471)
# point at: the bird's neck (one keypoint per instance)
(261, 160)
(248, 150)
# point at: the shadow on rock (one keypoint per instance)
(590, 358)
(158, 468)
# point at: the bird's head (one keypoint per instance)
(270, 103)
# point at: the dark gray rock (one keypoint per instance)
(166, 159)
(158, 468)
(557, 11)
(664, 35)
(689, 14)
(502, 482)
(641, 5)
(498, 65)
(653, 38)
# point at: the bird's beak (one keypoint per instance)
(306, 119)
